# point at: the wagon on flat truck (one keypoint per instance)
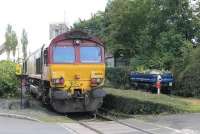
(147, 81)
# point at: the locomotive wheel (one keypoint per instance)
(56, 105)
(66, 106)
(45, 100)
(73, 105)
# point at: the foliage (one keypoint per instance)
(118, 77)
(11, 41)
(187, 74)
(14, 43)
(154, 31)
(159, 34)
(24, 41)
(136, 102)
(8, 79)
(8, 41)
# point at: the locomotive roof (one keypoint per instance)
(75, 35)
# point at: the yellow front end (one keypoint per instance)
(82, 77)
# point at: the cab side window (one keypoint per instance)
(45, 57)
(38, 66)
(25, 67)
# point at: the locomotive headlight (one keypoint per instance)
(93, 81)
(97, 78)
(58, 81)
(96, 81)
(77, 42)
(61, 80)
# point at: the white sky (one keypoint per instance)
(36, 15)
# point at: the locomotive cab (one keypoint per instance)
(73, 72)
(79, 67)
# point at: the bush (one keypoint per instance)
(8, 79)
(188, 84)
(135, 106)
(188, 75)
(118, 77)
(136, 102)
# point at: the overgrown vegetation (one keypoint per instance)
(136, 102)
(117, 77)
(154, 31)
(156, 34)
(8, 79)
(188, 75)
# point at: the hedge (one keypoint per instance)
(134, 106)
(117, 77)
(137, 102)
(8, 79)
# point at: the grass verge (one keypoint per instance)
(137, 102)
(39, 115)
(35, 110)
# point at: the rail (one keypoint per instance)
(109, 118)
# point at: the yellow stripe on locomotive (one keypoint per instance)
(83, 77)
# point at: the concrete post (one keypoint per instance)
(158, 84)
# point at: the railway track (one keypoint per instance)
(125, 124)
(100, 117)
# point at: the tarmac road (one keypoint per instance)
(172, 124)
(19, 126)
(187, 123)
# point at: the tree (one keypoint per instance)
(127, 19)
(94, 26)
(24, 41)
(153, 31)
(11, 41)
(8, 42)
(14, 43)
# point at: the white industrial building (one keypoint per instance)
(56, 29)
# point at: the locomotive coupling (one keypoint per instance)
(60, 95)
